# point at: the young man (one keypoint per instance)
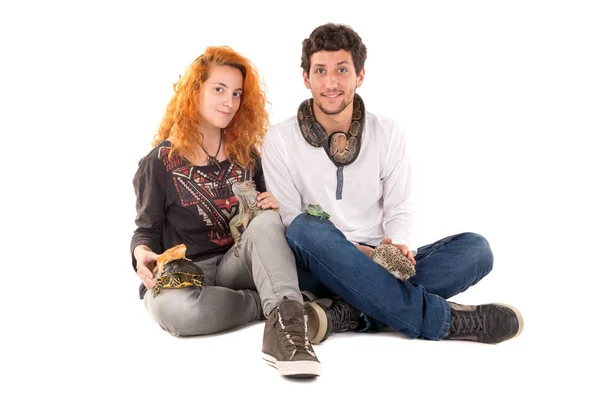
(354, 165)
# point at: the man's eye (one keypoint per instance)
(319, 71)
(343, 70)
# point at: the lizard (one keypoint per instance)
(245, 192)
(317, 211)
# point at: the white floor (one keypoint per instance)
(102, 344)
(500, 105)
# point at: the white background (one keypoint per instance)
(500, 102)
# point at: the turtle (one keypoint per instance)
(391, 258)
(175, 271)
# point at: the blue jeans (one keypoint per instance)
(328, 263)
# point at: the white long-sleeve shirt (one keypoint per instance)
(376, 193)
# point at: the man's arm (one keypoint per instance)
(278, 176)
(397, 190)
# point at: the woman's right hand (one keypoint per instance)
(145, 258)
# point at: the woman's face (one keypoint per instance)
(220, 97)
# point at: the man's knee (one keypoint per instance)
(296, 228)
(306, 229)
(481, 251)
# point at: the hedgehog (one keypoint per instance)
(391, 258)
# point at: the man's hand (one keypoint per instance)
(365, 249)
(403, 249)
(266, 200)
(145, 258)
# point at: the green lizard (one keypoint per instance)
(317, 211)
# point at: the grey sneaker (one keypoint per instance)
(487, 323)
(308, 296)
(285, 342)
(329, 316)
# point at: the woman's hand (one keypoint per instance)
(266, 200)
(146, 259)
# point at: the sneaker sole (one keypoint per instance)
(294, 369)
(317, 323)
(519, 318)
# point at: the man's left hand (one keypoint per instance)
(403, 248)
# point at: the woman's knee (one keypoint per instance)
(267, 220)
(180, 312)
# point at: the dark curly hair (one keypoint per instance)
(334, 37)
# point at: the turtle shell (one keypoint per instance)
(178, 274)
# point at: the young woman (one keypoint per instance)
(209, 139)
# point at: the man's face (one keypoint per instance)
(332, 80)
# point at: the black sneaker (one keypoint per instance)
(487, 323)
(285, 342)
(329, 316)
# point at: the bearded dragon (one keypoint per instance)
(246, 194)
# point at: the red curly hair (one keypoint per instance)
(243, 135)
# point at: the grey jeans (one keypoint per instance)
(237, 289)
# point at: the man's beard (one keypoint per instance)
(345, 103)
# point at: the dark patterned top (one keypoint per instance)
(178, 202)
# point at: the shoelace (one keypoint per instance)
(342, 318)
(294, 337)
(467, 322)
